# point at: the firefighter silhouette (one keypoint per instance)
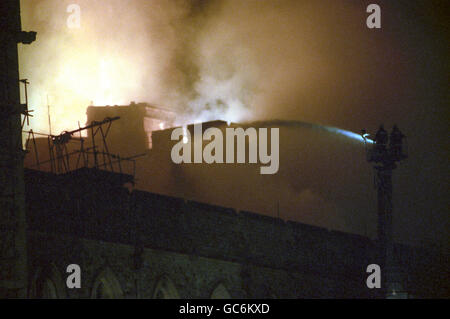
(381, 139)
(395, 142)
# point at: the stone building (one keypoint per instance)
(138, 121)
(135, 244)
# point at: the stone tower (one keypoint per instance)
(13, 253)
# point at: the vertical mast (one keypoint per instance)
(384, 156)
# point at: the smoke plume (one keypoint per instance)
(217, 59)
(313, 61)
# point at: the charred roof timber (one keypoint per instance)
(139, 121)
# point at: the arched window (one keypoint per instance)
(220, 293)
(106, 286)
(47, 284)
(46, 289)
(165, 289)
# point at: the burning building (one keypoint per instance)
(133, 134)
(129, 137)
(133, 243)
(161, 239)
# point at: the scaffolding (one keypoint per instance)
(63, 159)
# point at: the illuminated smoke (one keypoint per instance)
(118, 55)
(318, 170)
(246, 60)
(207, 60)
(127, 51)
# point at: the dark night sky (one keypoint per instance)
(312, 61)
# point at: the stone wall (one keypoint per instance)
(144, 243)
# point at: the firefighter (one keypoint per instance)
(381, 139)
(395, 142)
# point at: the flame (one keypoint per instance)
(71, 69)
(124, 53)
